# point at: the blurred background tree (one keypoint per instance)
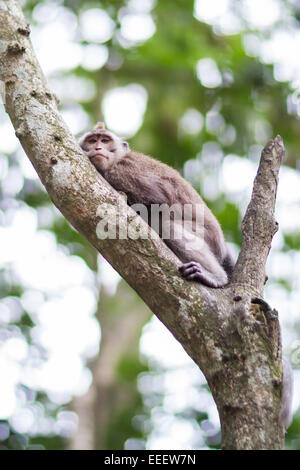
(202, 86)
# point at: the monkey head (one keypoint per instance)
(103, 147)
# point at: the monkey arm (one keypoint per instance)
(153, 190)
(139, 186)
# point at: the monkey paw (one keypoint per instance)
(192, 271)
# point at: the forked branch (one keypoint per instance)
(259, 225)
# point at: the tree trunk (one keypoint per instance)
(233, 337)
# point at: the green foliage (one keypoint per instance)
(68, 237)
(293, 435)
(129, 367)
(121, 425)
(229, 218)
(292, 241)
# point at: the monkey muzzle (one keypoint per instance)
(97, 155)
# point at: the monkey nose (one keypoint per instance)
(98, 148)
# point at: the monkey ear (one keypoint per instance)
(125, 145)
(99, 125)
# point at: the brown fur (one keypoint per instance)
(147, 181)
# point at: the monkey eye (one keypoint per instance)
(92, 141)
(104, 140)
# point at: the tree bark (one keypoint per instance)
(233, 338)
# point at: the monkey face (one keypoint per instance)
(103, 148)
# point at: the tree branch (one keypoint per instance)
(235, 342)
(259, 225)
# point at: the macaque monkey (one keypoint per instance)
(202, 249)
(146, 181)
